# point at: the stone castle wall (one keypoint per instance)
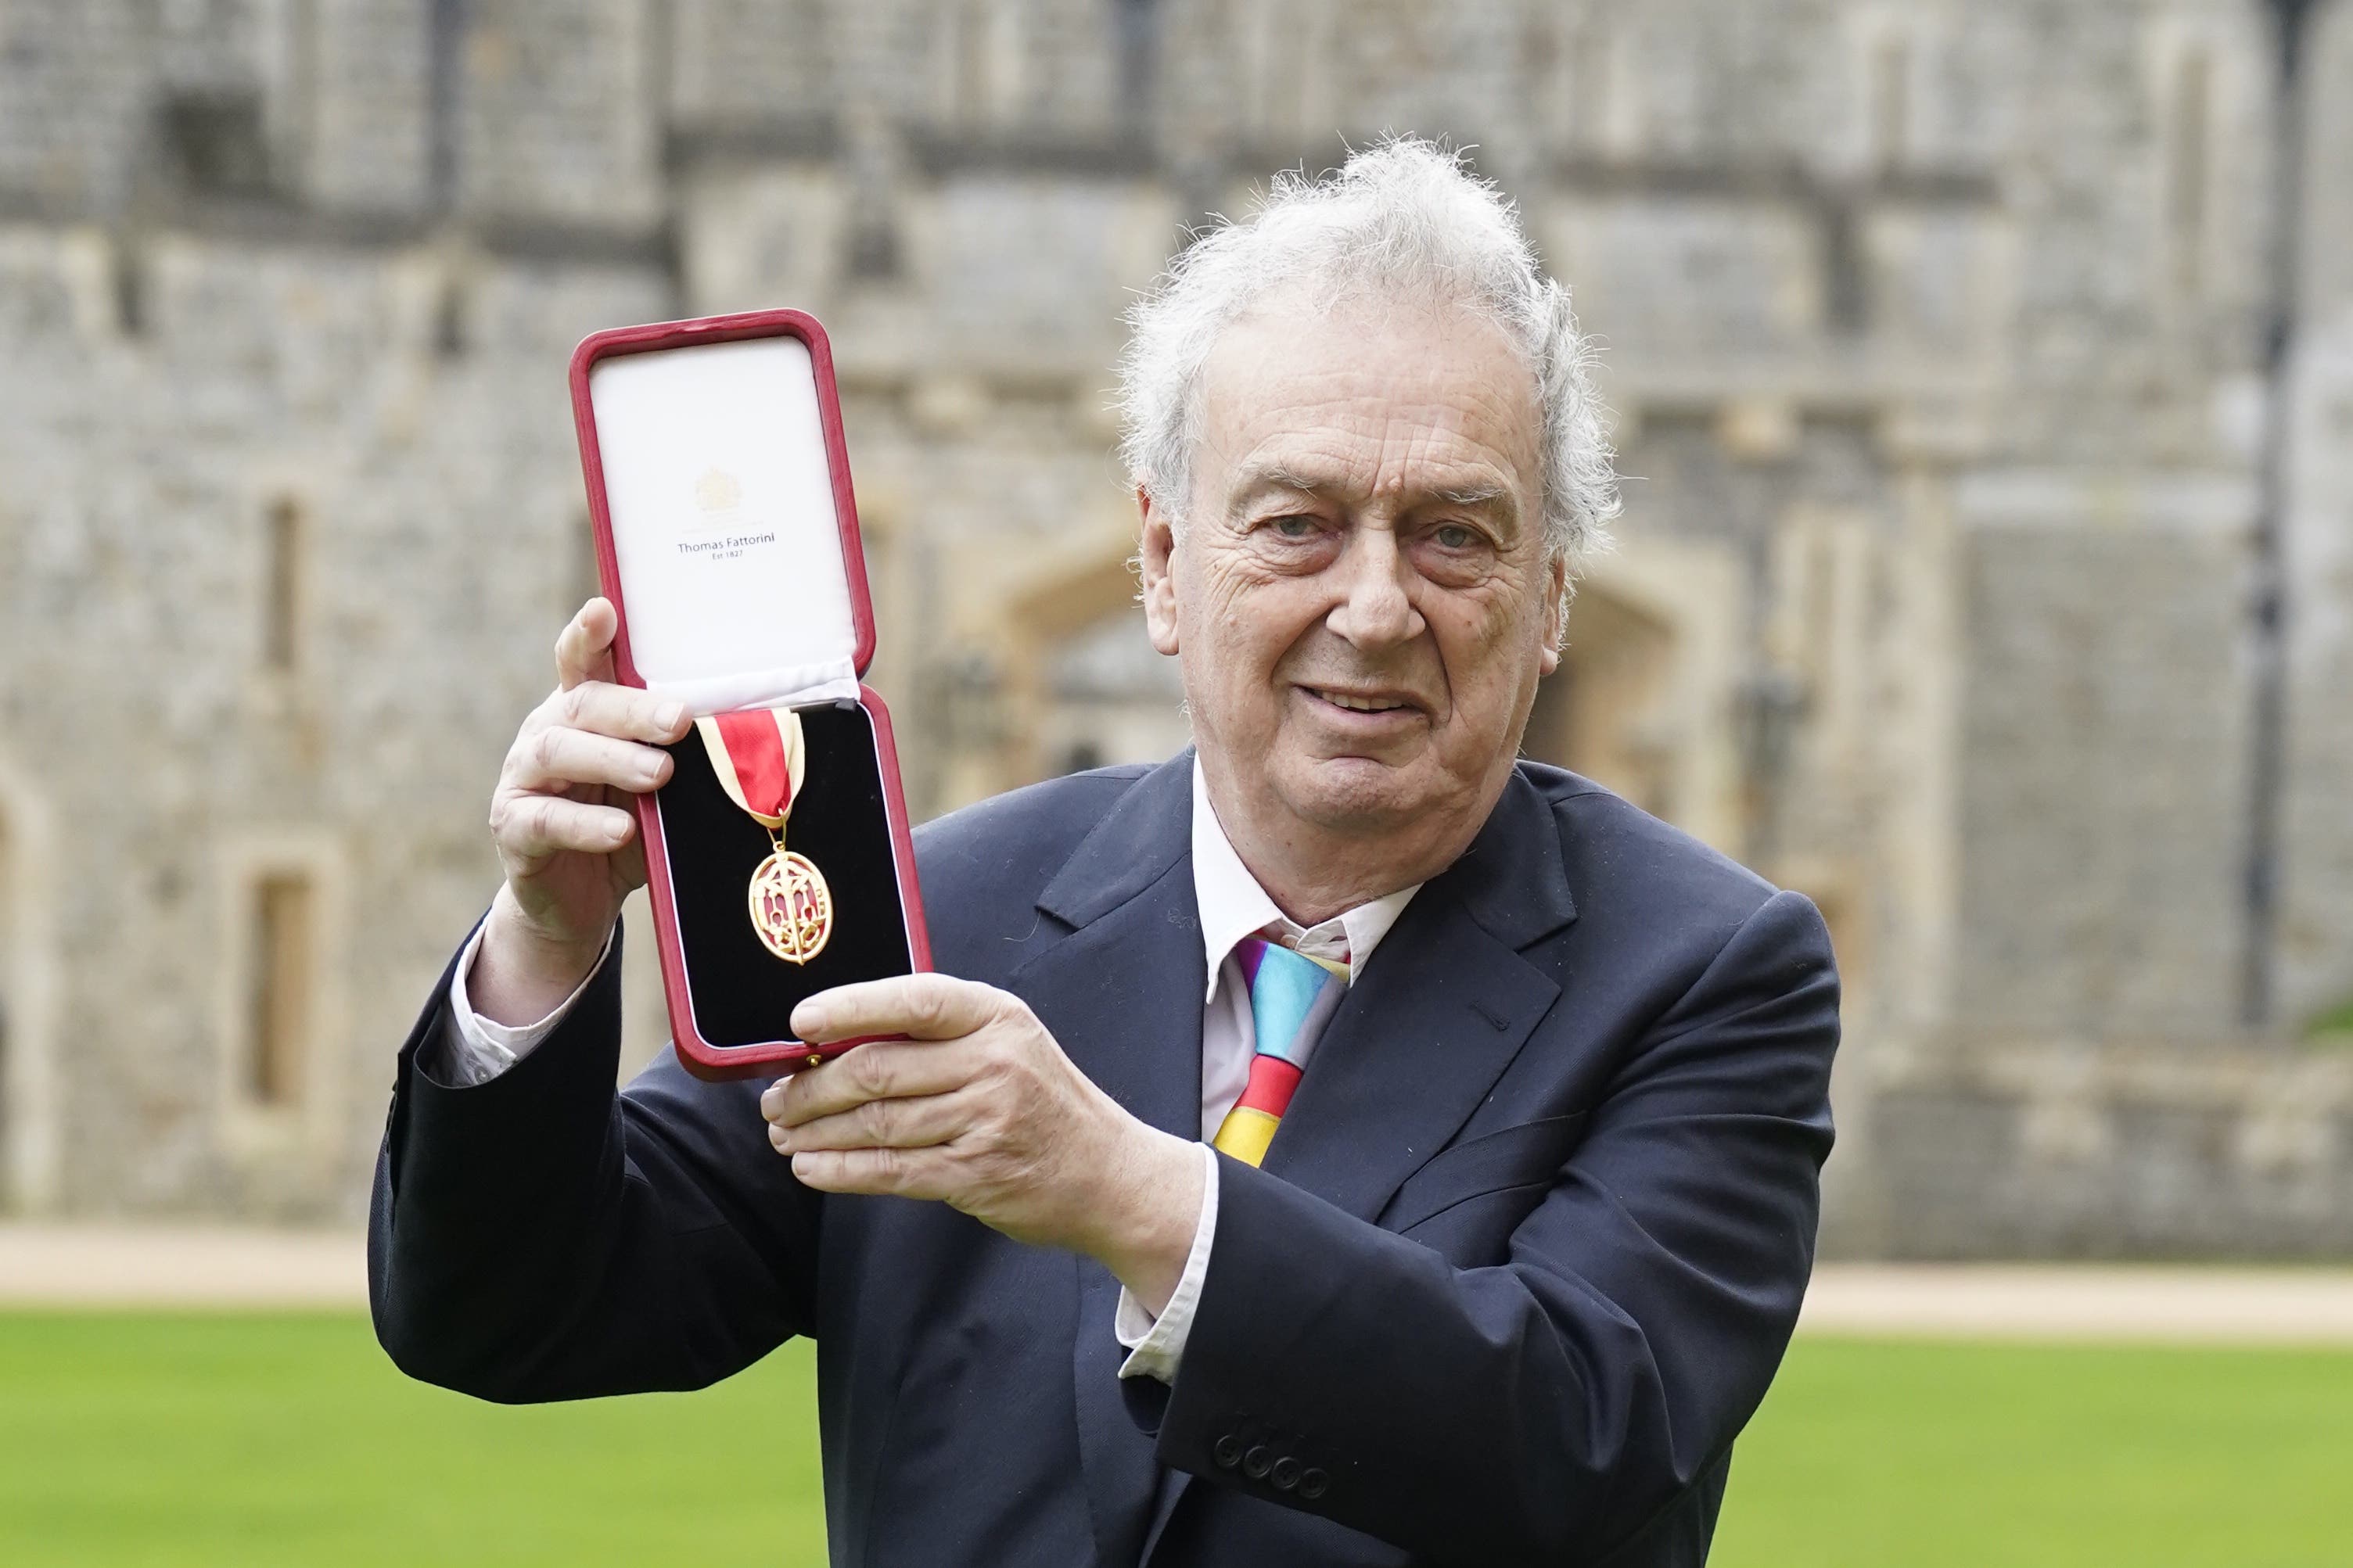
(1933, 334)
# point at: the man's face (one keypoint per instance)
(1362, 596)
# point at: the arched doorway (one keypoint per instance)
(1089, 687)
(1605, 712)
(1111, 697)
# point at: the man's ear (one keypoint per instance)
(1555, 623)
(1156, 563)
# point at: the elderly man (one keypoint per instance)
(1344, 1144)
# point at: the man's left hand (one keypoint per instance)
(980, 1109)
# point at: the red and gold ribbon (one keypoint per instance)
(761, 760)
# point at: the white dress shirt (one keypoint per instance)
(1233, 907)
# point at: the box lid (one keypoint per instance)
(719, 489)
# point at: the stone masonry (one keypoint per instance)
(1934, 331)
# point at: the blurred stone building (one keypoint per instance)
(1935, 332)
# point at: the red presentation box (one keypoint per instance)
(727, 537)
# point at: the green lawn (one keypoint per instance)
(1903, 1456)
(199, 1440)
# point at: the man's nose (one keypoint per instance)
(1376, 609)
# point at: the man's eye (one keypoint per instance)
(1295, 527)
(1454, 536)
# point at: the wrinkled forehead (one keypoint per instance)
(1373, 396)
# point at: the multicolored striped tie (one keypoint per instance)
(1284, 987)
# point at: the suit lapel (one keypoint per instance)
(1440, 1012)
(1122, 993)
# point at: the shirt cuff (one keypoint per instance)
(1155, 1345)
(475, 1049)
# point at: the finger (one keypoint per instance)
(917, 1123)
(877, 1070)
(921, 1006)
(894, 1173)
(558, 759)
(624, 712)
(536, 826)
(584, 647)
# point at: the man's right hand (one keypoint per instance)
(565, 832)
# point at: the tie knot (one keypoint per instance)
(1285, 986)
(1329, 953)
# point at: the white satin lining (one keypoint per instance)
(790, 686)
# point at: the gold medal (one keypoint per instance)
(792, 908)
(761, 760)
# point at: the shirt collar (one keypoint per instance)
(1233, 906)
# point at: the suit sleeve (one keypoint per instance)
(540, 1236)
(1556, 1406)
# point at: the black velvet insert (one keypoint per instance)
(743, 995)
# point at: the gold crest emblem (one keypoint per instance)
(792, 908)
(718, 491)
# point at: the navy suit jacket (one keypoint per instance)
(1521, 1260)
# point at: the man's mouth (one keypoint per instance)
(1359, 703)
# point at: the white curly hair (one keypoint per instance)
(1405, 215)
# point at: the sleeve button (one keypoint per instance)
(1227, 1451)
(1257, 1462)
(1313, 1483)
(1286, 1472)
